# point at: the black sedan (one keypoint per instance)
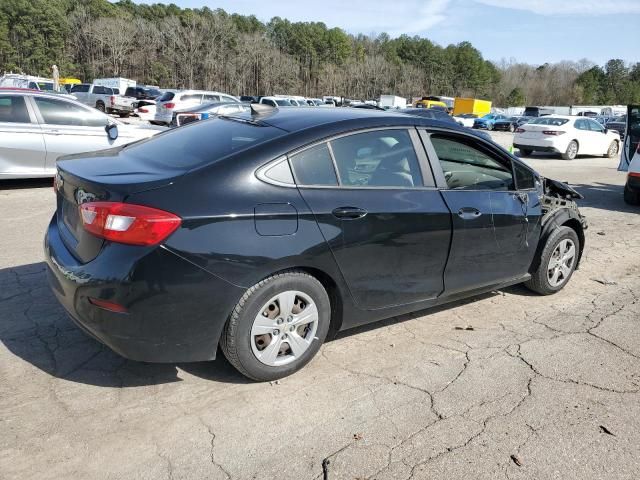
(510, 124)
(263, 232)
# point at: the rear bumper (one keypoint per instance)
(536, 148)
(176, 310)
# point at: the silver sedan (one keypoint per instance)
(36, 128)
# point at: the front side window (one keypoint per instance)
(524, 177)
(314, 166)
(382, 158)
(595, 126)
(13, 109)
(59, 112)
(465, 167)
(82, 88)
(213, 98)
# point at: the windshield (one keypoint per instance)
(283, 103)
(489, 116)
(556, 122)
(191, 146)
(166, 96)
(48, 86)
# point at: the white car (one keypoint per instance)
(276, 102)
(568, 136)
(37, 127)
(171, 101)
(466, 119)
(632, 186)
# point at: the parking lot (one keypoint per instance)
(506, 385)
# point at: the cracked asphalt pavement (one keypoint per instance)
(507, 385)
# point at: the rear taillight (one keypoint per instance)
(169, 105)
(520, 130)
(143, 110)
(553, 132)
(127, 223)
(112, 100)
(107, 305)
(634, 174)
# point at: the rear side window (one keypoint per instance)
(130, 92)
(13, 109)
(382, 158)
(465, 167)
(99, 90)
(79, 88)
(192, 146)
(166, 96)
(191, 97)
(314, 166)
(556, 122)
(524, 177)
(213, 98)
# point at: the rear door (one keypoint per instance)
(22, 149)
(632, 136)
(374, 198)
(70, 128)
(492, 242)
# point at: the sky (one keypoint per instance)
(531, 31)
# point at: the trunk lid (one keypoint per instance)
(110, 175)
(535, 131)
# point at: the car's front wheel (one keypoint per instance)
(631, 197)
(557, 262)
(526, 151)
(278, 326)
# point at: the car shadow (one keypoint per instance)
(35, 328)
(21, 184)
(604, 196)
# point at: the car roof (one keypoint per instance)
(303, 118)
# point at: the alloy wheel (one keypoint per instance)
(561, 262)
(284, 328)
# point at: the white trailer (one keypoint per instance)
(392, 101)
(120, 83)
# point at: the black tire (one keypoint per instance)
(100, 106)
(539, 281)
(526, 152)
(631, 197)
(571, 153)
(124, 114)
(489, 126)
(236, 337)
(612, 151)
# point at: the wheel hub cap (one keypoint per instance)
(284, 328)
(561, 262)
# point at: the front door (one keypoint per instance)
(22, 150)
(69, 128)
(492, 239)
(388, 227)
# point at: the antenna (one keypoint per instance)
(261, 108)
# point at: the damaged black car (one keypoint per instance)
(265, 231)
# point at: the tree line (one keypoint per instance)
(163, 44)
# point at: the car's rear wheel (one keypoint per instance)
(100, 106)
(278, 326)
(572, 151)
(612, 151)
(526, 151)
(124, 114)
(557, 262)
(631, 197)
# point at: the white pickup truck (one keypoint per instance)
(93, 95)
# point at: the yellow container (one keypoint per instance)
(471, 105)
(431, 103)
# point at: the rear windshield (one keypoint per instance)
(166, 96)
(153, 92)
(556, 122)
(201, 143)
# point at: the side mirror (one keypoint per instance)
(606, 130)
(112, 131)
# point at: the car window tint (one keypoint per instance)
(382, 158)
(215, 98)
(582, 125)
(166, 96)
(13, 109)
(595, 126)
(468, 168)
(59, 112)
(79, 88)
(191, 97)
(525, 178)
(314, 166)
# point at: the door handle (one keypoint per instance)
(53, 132)
(469, 213)
(349, 213)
